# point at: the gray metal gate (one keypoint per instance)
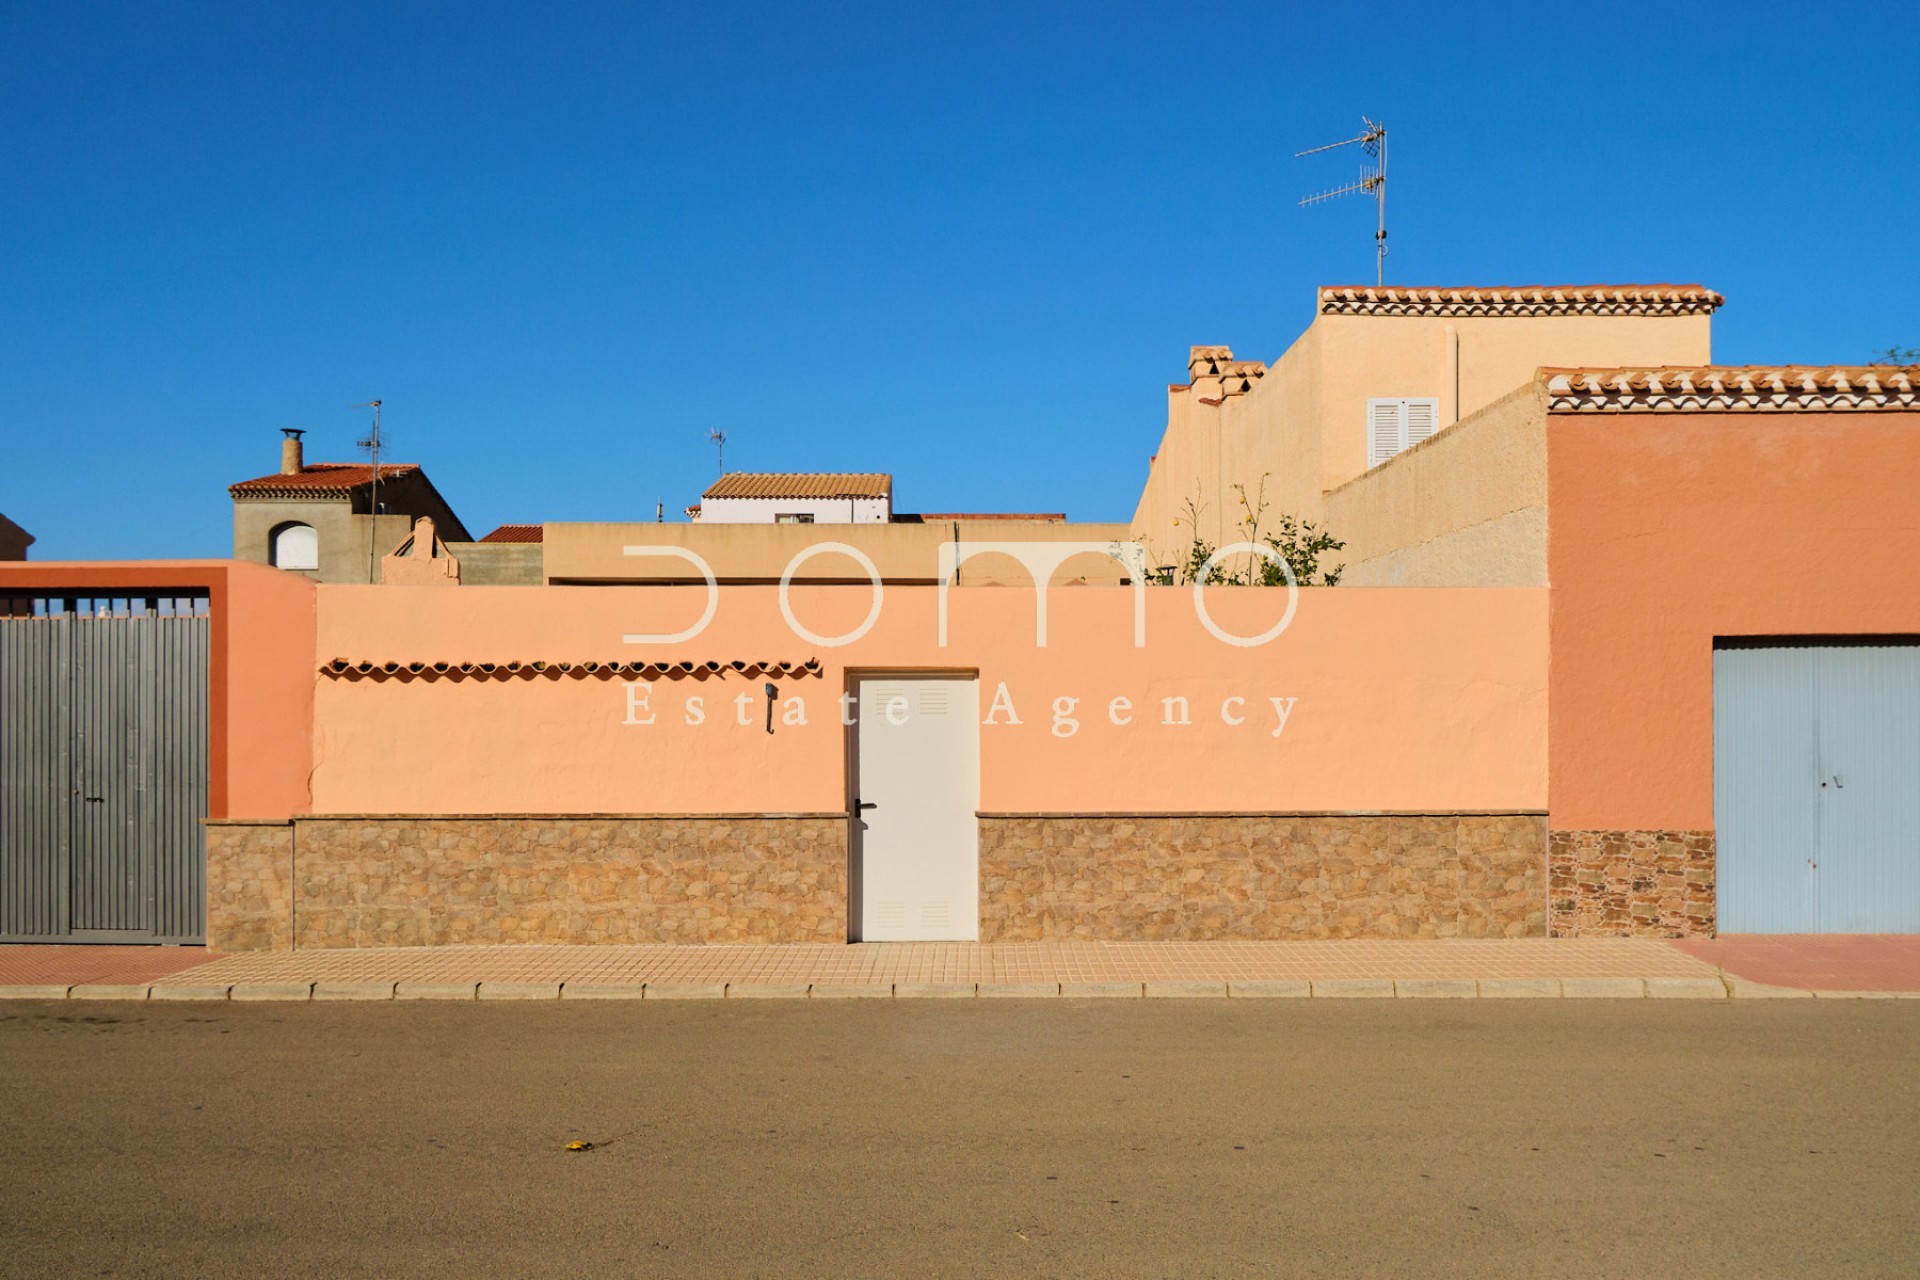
(1817, 785)
(103, 768)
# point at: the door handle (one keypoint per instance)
(861, 806)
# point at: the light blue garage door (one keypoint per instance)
(1816, 793)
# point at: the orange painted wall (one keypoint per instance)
(1666, 531)
(261, 687)
(1407, 699)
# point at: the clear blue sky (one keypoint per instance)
(968, 245)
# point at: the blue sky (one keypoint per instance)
(968, 245)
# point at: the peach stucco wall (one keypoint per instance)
(1669, 530)
(1406, 699)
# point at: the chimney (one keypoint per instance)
(290, 457)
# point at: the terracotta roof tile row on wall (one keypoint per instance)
(516, 533)
(356, 668)
(1523, 300)
(835, 484)
(318, 477)
(1731, 388)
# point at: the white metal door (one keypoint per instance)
(915, 837)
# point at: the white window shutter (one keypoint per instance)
(1385, 430)
(1422, 418)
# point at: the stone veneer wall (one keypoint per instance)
(249, 885)
(1645, 884)
(391, 880)
(1210, 876)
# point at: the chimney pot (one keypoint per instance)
(291, 460)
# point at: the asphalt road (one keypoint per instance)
(934, 1138)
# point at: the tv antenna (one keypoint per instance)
(371, 443)
(1373, 178)
(719, 439)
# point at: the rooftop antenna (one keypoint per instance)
(1373, 178)
(371, 443)
(719, 439)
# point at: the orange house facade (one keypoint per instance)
(1596, 589)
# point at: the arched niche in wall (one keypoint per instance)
(294, 546)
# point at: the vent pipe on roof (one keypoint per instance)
(291, 459)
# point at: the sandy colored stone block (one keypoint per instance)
(1270, 989)
(1603, 988)
(603, 991)
(188, 991)
(108, 991)
(519, 991)
(1102, 990)
(1741, 989)
(933, 991)
(1352, 988)
(270, 991)
(1686, 989)
(434, 990)
(1185, 990)
(851, 990)
(33, 991)
(1019, 990)
(767, 990)
(1823, 995)
(1436, 989)
(353, 990)
(687, 991)
(1519, 988)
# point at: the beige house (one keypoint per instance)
(1407, 421)
(333, 521)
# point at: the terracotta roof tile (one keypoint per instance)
(1522, 300)
(516, 533)
(317, 478)
(1736, 388)
(793, 484)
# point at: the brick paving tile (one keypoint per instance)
(67, 965)
(1822, 962)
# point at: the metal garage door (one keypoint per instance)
(103, 769)
(1817, 785)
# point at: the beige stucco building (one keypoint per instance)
(1405, 420)
(333, 521)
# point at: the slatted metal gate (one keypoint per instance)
(103, 768)
(1817, 785)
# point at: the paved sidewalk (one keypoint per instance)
(30, 964)
(1863, 962)
(1619, 967)
(1631, 968)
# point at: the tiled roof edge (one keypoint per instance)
(1735, 388)
(1523, 300)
